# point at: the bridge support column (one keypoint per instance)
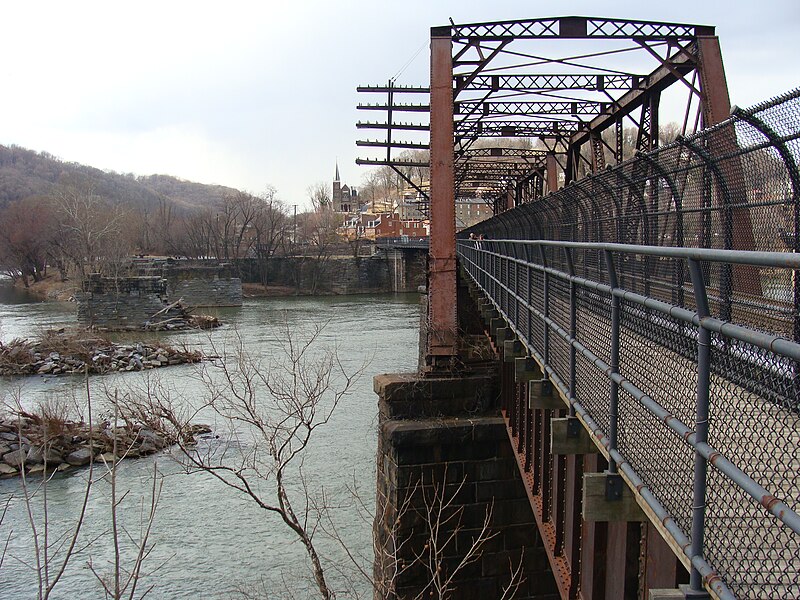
(450, 498)
(442, 333)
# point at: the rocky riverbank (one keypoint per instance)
(35, 445)
(65, 353)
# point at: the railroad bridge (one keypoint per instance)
(607, 404)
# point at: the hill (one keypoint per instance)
(25, 173)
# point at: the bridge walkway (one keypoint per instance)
(626, 366)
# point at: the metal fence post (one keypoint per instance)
(529, 274)
(573, 330)
(613, 403)
(696, 590)
(546, 305)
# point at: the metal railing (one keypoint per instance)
(403, 242)
(661, 297)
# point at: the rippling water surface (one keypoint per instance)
(209, 541)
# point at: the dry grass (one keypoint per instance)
(79, 350)
(72, 343)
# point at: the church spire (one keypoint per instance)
(337, 172)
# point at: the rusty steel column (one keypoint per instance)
(551, 167)
(716, 103)
(442, 258)
(716, 107)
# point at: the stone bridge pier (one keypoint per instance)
(452, 510)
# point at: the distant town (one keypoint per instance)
(402, 215)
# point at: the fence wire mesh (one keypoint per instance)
(732, 188)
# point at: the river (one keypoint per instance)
(209, 541)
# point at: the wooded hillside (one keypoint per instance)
(25, 173)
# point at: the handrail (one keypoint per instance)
(484, 261)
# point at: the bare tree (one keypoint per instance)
(24, 238)
(51, 553)
(272, 413)
(270, 229)
(320, 195)
(318, 237)
(433, 510)
(91, 228)
(246, 209)
(241, 225)
(198, 234)
(53, 548)
(121, 581)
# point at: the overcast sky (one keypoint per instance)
(247, 94)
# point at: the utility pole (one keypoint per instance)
(294, 235)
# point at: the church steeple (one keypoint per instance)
(337, 172)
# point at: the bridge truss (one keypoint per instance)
(567, 148)
(522, 85)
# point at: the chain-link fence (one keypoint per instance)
(677, 273)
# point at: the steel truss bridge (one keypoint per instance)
(652, 285)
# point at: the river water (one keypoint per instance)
(209, 541)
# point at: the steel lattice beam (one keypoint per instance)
(468, 107)
(578, 28)
(656, 82)
(501, 152)
(519, 82)
(466, 129)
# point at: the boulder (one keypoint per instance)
(36, 455)
(147, 447)
(150, 436)
(6, 470)
(198, 429)
(15, 458)
(108, 457)
(79, 457)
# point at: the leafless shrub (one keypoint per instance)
(54, 548)
(267, 415)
